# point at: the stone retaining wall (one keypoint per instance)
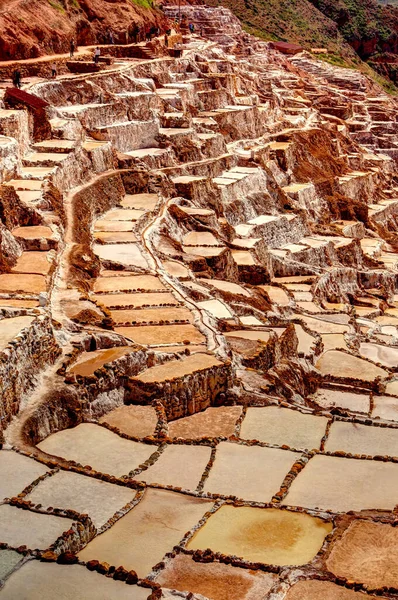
(20, 365)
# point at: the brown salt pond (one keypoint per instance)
(385, 355)
(392, 388)
(276, 295)
(140, 539)
(249, 472)
(10, 328)
(136, 300)
(88, 362)
(86, 495)
(25, 184)
(175, 269)
(309, 307)
(367, 553)
(322, 326)
(392, 311)
(18, 303)
(123, 214)
(386, 320)
(93, 445)
(125, 283)
(102, 226)
(17, 472)
(331, 341)
(33, 232)
(340, 364)
(8, 561)
(338, 318)
(325, 590)
(20, 527)
(200, 238)
(33, 262)
(385, 407)
(137, 421)
(28, 284)
(243, 258)
(115, 237)
(162, 334)
(215, 580)
(213, 422)
(216, 308)
(151, 315)
(123, 254)
(181, 349)
(45, 581)
(265, 535)
(348, 400)
(276, 425)
(250, 320)
(206, 251)
(305, 288)
(140, 201)
(249, 335)
(178, 368)
(168, 468)
(362, 484)
(303, 297)
(362, 439)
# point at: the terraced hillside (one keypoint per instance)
(198, 325)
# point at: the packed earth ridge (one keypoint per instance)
(198, 322)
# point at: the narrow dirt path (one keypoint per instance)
(202, 321)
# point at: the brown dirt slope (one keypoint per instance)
(31, 28)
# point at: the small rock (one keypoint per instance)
(49, 556)
(132, 578)
(67, 558)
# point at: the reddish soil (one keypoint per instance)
(32, 28)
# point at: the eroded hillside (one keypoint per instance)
(31, 28)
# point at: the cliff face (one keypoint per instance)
(31, 28)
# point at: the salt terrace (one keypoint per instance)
(198, 328)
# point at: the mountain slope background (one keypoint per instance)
(352, 30)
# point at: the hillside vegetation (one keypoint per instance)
(351, 30)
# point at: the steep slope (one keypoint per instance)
(350, 29)
(30, 28)
(364, 24)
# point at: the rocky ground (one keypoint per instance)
(198, 333)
